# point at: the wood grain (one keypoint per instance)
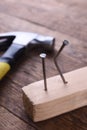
(65, 17)
(10, 122)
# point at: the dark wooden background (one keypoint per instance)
(63, 19)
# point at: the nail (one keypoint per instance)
(65, 42)
(59, 70)
(43, 56)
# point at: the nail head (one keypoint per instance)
(65, 42)
(43, 55)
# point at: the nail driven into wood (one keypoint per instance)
(43, 56)
(65, 42)
(58, 68)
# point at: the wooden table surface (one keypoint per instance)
(62, 20)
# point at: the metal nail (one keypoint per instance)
(43, 56)
(65, 42)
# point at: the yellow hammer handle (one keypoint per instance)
(4, 68)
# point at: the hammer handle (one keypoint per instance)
(7, 60)
(4, 68)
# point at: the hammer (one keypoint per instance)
(16, 44)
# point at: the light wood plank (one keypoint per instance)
(59, 98)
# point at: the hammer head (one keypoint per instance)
(29, 40)
(19, 42)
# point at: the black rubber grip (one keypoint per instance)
(14, 52)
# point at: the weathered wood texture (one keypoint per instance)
(58, 18)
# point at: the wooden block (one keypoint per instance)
(60, 98)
